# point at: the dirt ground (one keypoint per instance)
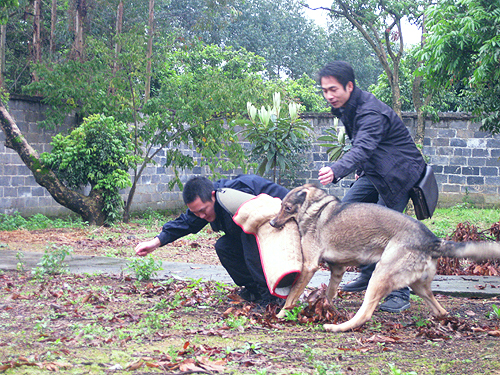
(78, 324)
(117, 241)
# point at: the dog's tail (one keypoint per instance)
(474, 250)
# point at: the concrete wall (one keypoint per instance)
(465, 159)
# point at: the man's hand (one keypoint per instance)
(325, 175)
(144, 248)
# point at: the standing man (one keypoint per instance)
(383, 155)
(237, 251)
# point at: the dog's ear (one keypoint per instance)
(301, 195)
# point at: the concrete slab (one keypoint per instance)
(465, 286)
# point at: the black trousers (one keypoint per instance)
(241, 258)
(363, 191)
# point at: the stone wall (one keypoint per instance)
(465, 159)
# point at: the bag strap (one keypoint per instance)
(232, 199)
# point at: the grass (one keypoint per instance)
(443, 222)
(38, 221)
(8, 222)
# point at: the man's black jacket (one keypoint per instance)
(188, 222)
(381, 146)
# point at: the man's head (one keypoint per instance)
(337, 82)
(199, 196)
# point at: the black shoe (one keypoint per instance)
(358, 284)
(395, 304)
(248, 295)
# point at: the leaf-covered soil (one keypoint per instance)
(117, 241)
(81, 324)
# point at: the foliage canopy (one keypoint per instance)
(463, 50)
(99, 153)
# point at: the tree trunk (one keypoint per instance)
(119, 25)
(78, 43)
(53, 22)
(416, 93)
(381, 44)
(3, 31)
(118, 46)
(36, 48)
(89, 208)
(396, 60)
(396, 92)
(150, 48)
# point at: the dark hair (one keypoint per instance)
(196, 187)
(340, 70)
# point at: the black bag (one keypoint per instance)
(425, 195)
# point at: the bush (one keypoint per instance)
(144, 268)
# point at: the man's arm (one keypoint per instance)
(146, 247)
(326, 175)
(185, 224)
(370, 133)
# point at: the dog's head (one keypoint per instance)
(293, 204)
(257, 212)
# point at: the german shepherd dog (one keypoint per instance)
(350, 234)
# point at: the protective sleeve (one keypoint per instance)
(256, 185)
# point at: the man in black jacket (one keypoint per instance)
(237, 251)
(383, 155)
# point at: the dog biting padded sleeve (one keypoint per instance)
(280, 250)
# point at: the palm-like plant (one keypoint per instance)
(276, 139)
(335, 141)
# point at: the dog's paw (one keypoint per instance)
(332, 327)
(281, 314)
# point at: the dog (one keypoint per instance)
(350, 234)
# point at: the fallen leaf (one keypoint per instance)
(134, 365)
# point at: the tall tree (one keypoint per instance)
(278, 31)
(463, 49)
(90, 208)
(5, 7)
(347, 44)
(53, 23)
(379, 21)
(80, 14)
(36, 44)
(421, 97)
(149, 52)
(118, 32)
(196, 18)
(199, 89)
(3, 32)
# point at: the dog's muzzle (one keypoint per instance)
(273, 224)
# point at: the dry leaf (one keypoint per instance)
(134, 365)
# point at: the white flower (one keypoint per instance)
(277, 104)
(252, 111)
(264, 115)
(293, 110)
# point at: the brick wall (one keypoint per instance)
(465, 159)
